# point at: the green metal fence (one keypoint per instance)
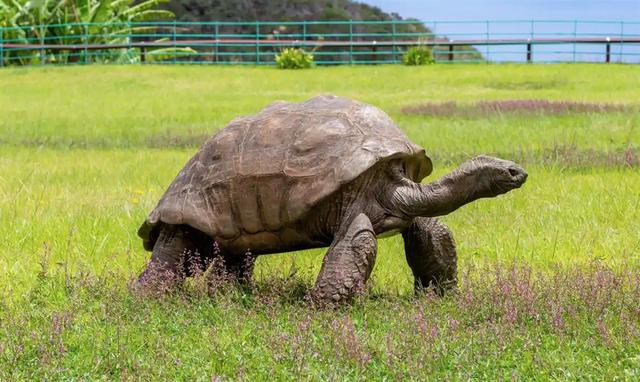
(332, 42)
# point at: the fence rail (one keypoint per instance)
(333, 42)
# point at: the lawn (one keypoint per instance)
(549, 274)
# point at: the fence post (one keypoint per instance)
(529, 44)
(533, 30)
(608, 54)
(174, 37)
(575, 36)
(488, 54)
(42, 51)
(304, 30)
(450, 52)
(217, 42)
(350, 42)
(85, 39)
(394, 48)
(435, 36)
(130, 52)
(375, 53)
(257, 42)
(1, 47)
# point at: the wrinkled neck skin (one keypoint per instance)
(391, 201)
(441, 197)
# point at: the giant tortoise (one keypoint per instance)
(326, 172)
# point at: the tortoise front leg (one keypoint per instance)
(173, 257)
(240, 268)
(348, 262)
(166, 266)
(431, 254)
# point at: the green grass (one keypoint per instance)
(160, 106)
(86, 152)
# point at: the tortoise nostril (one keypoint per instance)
(513, 172)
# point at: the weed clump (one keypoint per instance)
(500, 313)
(418, 55)
(294, 58)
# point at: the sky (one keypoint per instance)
(512, 9)
(591, 16)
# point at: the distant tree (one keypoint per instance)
(298, 10)
(285, 10)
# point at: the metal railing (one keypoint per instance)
(332, 42)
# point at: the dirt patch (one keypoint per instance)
(526, 85)
(513, 106)
(561, 156)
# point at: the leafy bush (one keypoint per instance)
(294, 58)
(418, 55)
(73, 22)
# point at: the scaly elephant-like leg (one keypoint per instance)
(176, 254)
(348, 262)
(431, 254)
(240, 268)
(227, 267)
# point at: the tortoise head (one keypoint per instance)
(493, 176)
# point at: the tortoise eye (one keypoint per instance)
(403, 168)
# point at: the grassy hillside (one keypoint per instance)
(549, 273)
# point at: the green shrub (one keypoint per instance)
(60, 22)
(418, 55)
(294, 58)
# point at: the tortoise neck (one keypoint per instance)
(441, 197)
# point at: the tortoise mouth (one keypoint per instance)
(517, 182)
(518, 176)
(516, 179)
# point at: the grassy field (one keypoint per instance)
(550, 285)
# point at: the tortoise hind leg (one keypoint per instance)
(431, 254)
(240, 268)
(230, 268)
(348, 262)
(179, 252)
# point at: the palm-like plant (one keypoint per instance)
(72, 22)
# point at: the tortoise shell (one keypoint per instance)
(267, 171)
